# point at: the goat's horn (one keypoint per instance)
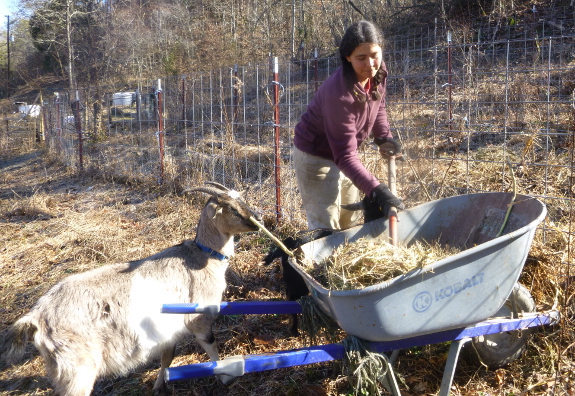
(207, 190)
(220, 186)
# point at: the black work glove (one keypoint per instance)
(385, 199)
(388, 146)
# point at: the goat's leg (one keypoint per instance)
(209, 345)
(293, 325)
(201, 328)
(72, 374)
(295, 288)
(293, 319)
(167, 357)
(77, 383)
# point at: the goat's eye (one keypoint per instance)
(235, 212)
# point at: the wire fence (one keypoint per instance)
(463, 105)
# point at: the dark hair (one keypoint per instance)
(357, 34)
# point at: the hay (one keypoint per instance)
(367, 262)
(314, 321)
(368, 367)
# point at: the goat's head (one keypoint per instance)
(227, 209)
(371, 210)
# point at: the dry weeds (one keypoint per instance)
(54, 222)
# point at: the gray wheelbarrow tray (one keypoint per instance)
(455, 292)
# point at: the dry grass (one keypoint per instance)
(54, 222)
(367, 262)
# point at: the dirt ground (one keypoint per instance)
(55, 222)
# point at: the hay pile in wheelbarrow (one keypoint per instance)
(366, 262)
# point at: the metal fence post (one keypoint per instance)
(78, 124)
(316, 71)
(7, 131)
(58, 122)
(42, 120)
(160, 129)
(47, 119)
(449, 79)
(139, 107)
(277, 151)
(184, 122)
(183, 89)
(58, 116)
(236, 99)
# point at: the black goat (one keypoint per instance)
(295, 286)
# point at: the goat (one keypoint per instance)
(107, 321)
(295, 286)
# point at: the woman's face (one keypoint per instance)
(366, 60)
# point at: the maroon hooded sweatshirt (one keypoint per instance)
(336, 123)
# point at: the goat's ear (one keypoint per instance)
(244, 192)
(213, 209)
(218, 211)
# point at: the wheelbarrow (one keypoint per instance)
(470, 296)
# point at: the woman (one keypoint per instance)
(346, 109)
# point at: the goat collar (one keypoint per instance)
(212, 252)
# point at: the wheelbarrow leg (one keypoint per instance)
(393, 356)
(388, 380)
(450, 365)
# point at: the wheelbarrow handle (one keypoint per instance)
(392, 214)
(235, 308)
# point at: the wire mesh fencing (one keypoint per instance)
(474, 110)
(19, 133)
(490, 109)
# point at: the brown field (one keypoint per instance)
(55, 222)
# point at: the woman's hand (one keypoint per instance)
(385, 199)
(388, 147)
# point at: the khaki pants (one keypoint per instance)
(323, 190)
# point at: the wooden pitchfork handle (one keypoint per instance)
(392, 214)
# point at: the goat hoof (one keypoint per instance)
(160, 390)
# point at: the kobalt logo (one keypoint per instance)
(459, 286)
(423, 300)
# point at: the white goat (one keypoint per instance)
(107, 321)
